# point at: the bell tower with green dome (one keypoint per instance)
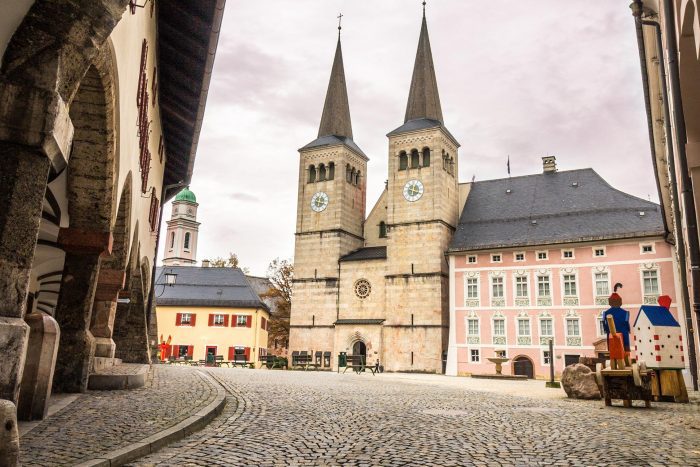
(183, 230)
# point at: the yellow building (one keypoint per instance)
(210, 311)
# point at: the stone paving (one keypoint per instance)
(309, 418)
(101, 421)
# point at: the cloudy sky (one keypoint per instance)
(524, 79)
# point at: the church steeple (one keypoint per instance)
(335, 120)
(423, 99)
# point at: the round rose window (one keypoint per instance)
(362, 288)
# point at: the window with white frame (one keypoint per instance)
(569, 285)
(471, 259)
(496, 258)
(472, 326)
(186, 318)
(602, 284)
(474, 356)
(519, 256)
(546, 357)
(567, 254)
(573, 327)
(599, 251)
(546, 327)
(521, 286)
(651, 281)
(541, 255)
(472, 288)
(499, 327)
(218, 320)
(497, 286)
(501, 354)
(241, 320)
(647, 248)
(523, 326)
(543, 287)
(601, 328)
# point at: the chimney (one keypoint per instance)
(549, 164)
(205, 263)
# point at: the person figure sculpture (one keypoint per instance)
(621, 319)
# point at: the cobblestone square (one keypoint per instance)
(316, 418)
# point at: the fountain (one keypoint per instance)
(499, 359)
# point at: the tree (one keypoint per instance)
(231, 262)
(280, 272)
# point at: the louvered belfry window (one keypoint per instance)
(143, 122)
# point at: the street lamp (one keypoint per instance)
(170, 278)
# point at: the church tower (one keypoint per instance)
(330, 215)
(183, 229)
(422, 214)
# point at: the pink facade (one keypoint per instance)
(517, 299)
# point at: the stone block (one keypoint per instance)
(9, 435)
(14, 335)
(579, 382)
(39, 366)
(104, 347)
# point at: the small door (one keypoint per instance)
(359, 348)
(211, 354)
(523, 366)
(570, 360)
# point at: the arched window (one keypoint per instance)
(357, 178)
(348, 174)
(172, 240)
(187, 241)
(415, 159)
(382, 229)
(452, 165)
(331, 171)
(352, 175)
(426, 157)
(312, 174)
(321, 173)
(403, 160)
(445, 158)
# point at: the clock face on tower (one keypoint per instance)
(413, 190)
(319, 201)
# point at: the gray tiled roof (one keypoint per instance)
(549, 208)
(420, 124)
(334, 140)
(217, 287)
(370, 252)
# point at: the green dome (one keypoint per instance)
(186, 195)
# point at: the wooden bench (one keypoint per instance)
(305, 362)
(357, 364)
(240, 360)
(272, 361)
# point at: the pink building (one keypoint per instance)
(535, 258)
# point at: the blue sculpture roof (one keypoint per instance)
(658, 316)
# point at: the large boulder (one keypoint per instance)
(9, 435)
(579, 382)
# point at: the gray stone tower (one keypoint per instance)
(330, 215)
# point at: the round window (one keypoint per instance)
(362, 288)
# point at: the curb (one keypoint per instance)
(192, 424)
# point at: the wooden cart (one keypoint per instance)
(627, 384)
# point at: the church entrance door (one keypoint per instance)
(359, 348)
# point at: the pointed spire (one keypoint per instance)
(336, 110)
(423, 99)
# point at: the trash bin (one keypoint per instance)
(210, 359)
(342, 360)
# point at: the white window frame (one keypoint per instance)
(546, 255)
(566, 326)
(529, 326)
(478, 354)
(502, 278)
(564, 251)
(500, 257)
(605, 252)
(600, 331)
(658, 280)
(549, 282)
(642, 245)
(515, 257)
(505, 326)
(189, 319)
(467, 319)
(563, 283)
(469, 259)
(466, 288)
(515, 285)
(216, 321)
(595, 283)
(503, 352)
(539, 325)
(244, 319)
(542, 357)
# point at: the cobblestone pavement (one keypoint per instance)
(310, 418)
(101, 421)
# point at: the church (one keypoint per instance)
(377, 284)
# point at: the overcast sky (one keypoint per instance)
(524, 79)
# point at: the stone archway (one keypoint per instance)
(523, 366)
(42, 68)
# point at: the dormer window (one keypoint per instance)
(519, 256)
(496, 258)
(567, 254)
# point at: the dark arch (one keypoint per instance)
(321, 172)
(415, 159)
(382, 229)
(312, 174)
(121, 230)
(426, 157)
(186, 244)
(403, 160)
(523, 365)
(331, 171)
(348, 173)
(172, 240)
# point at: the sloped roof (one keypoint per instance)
(370, 252)
(658, 316)
(423, 98)
(216, 287)
(261, 286)
(333, 140)
(550, 208)
(335, 119)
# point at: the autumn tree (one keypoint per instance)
(280, 272)
(231, 262)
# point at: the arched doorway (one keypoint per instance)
(523, 366)
(359, 348)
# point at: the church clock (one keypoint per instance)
(413, 190)
(319, 201)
